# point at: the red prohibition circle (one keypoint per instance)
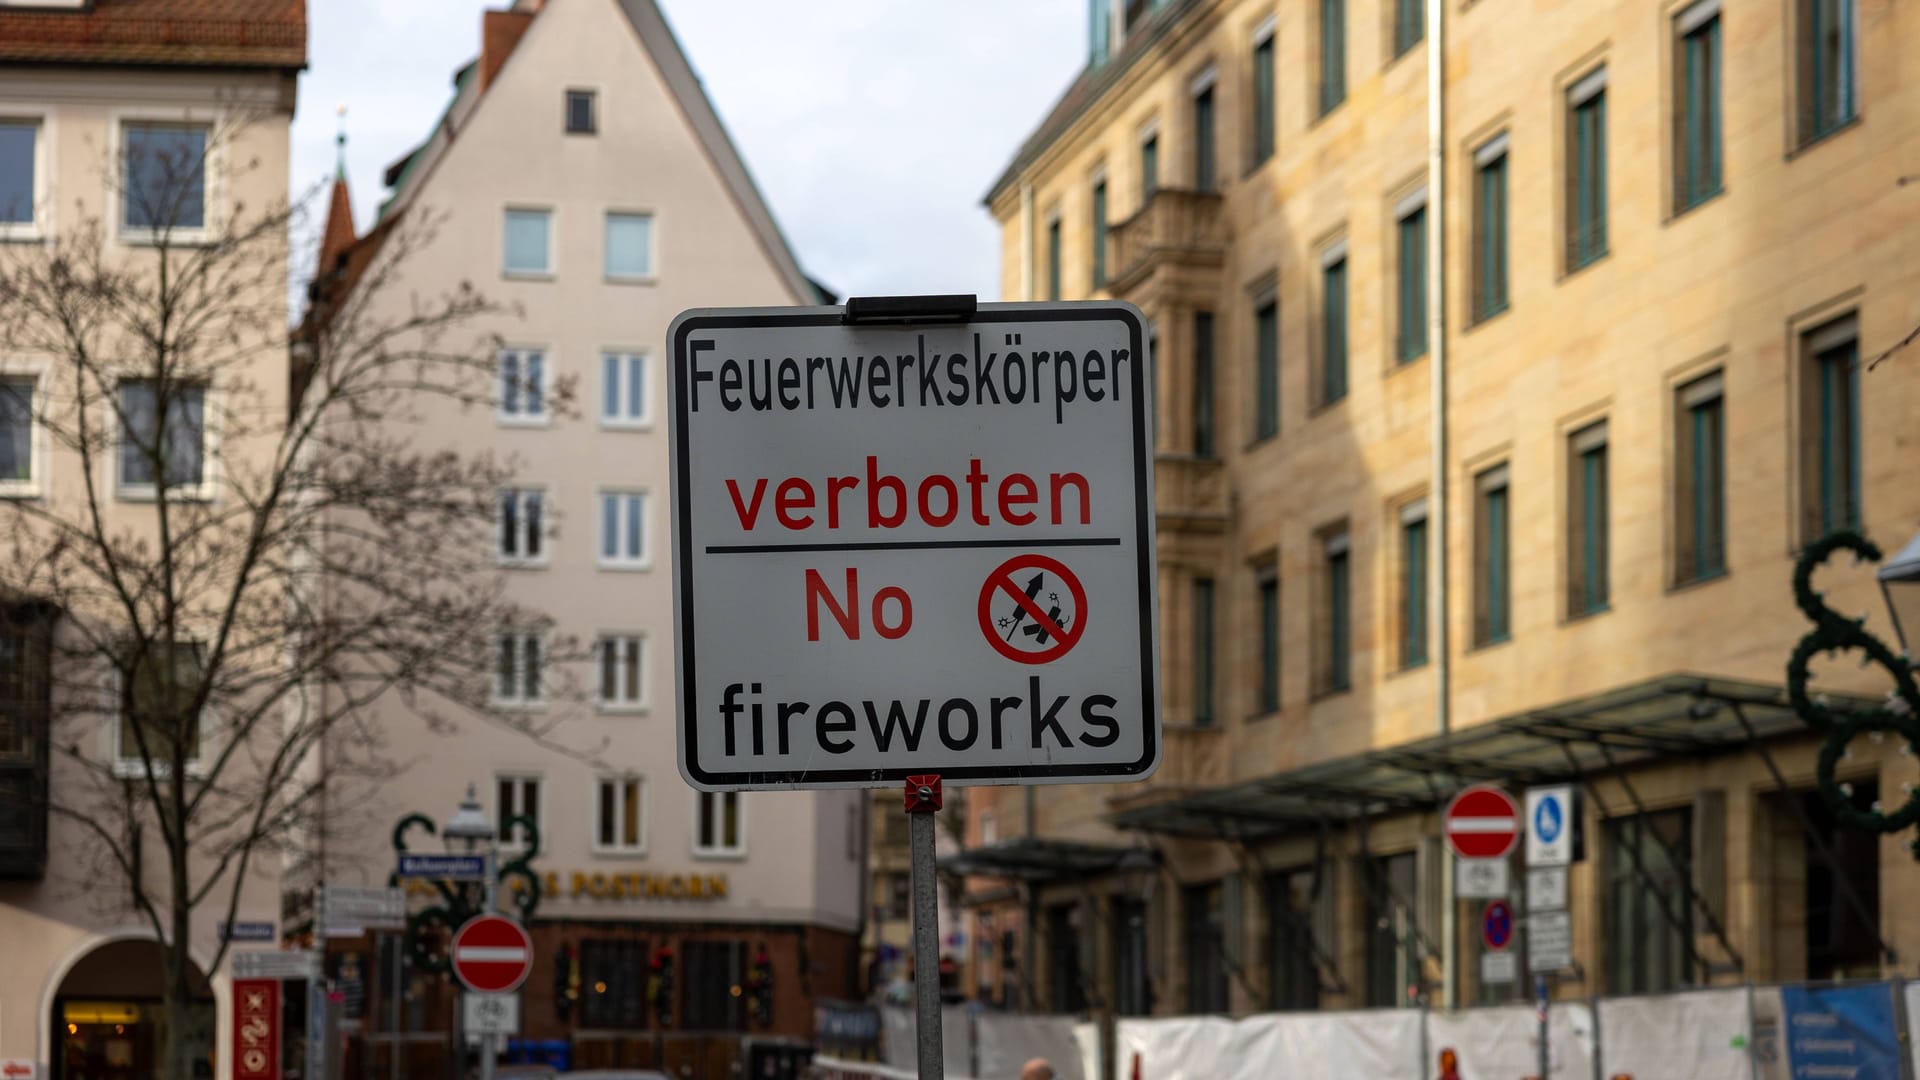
(1001, 580)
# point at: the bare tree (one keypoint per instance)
(241, 548)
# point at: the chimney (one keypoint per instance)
(500, 31)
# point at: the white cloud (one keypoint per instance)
(872, 126)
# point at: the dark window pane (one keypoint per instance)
(1203, 151)
(1203, 445)
(580, 111)
(16, 171)
(1267, 368)
(16, 429)
(164, 177)
(1203, 652)
(1413, 286)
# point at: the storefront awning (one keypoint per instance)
(1032, 858)
(1668, 717)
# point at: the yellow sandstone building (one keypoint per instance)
(1497, 398)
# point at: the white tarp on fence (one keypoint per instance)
(1006, 1041)
(1504, 1041)
(1180, 1048)
(1913, 1023)
(897, 1046)
(1305, 1046)
(1701, 1035)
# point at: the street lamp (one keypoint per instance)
(1900, 581)
(468, 826)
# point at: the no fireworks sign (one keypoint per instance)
(913, 546)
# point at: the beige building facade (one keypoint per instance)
(1489, 429)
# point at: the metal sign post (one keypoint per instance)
(923, 801)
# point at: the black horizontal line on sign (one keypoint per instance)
(911, 545)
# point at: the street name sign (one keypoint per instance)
(491, 954)
(916, 542)
(243, 930)
(1482, 822)
(444, 867)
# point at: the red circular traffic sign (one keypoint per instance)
(1033, 627)
(1496, 925)
(492, 954)
(1482, 822)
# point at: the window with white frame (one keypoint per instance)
(528, 242)
(150, 447)
(519, 656)
(718, 828)
(21, 177)
(621, 826)
(158, 717)
(163, 179)
(623, 529)
(516, 795)
(622, 660)
(629, 245)
(623, 389)
(522, 516)
(19, 457)
(523, 385)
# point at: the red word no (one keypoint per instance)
(819, 593)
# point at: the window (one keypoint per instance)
(1268, 594)
(517, 668)
(1492, 601)
(1410, 285)
(1413, 584)
(629, 246)
(19, 471)
(1649, 918)
(622, 676)
(523, 526)
(1842, 889)
(613, 984)
(1828, 90)
(516, 795)
(1132, 984)
(1333, 54)
(1697, 118)
(715, 974)
(529, 242)
(523, 385)
(1203, 445)
(623, 390)
(621, 827)
(26, 716)
(1587, 521)
(1067, 992)
(623, 529)
(1393, 932)
(580, 112)
(1299, 933)
(1830, 418)
(1203, 141)
(1099, 233)
(1587, 170)
(1266, 366)
(1263, 103)
(1333, 325)
(899, 899)
(1336, 616)
(1053, 259)
(158, 717)
(1206, 947)
(1490, 229)
(19, 177)
(1700, 481)
(1409, 24)
(1203, 653)
(1149, 165)
(163, 178)
(1099, 30)
(717, 827)
(174, 449)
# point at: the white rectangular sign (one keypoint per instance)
(352, 910)
(1550, 825)
(908, 548)
(1549, 941)
(491, 1014)
(274, 963)
(1481, 879)
(1547, 888)
(1499, 967)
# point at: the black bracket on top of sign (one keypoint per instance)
(948, 308)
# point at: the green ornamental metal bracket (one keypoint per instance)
(429, 929)
(1832, 634)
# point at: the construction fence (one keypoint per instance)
(1857, 1030)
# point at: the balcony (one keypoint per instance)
(1176, 227)
(1190, 493)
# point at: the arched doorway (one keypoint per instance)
(108, 1021)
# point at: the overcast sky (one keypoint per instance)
(873, 127)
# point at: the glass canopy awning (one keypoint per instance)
(1033, 858)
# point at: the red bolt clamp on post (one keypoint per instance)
(923, 794)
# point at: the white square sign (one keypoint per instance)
(490, 1014)
(914, 547)
(1481, 879)
(1550, 825)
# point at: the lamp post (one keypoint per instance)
(1835, 633)
(470, 831)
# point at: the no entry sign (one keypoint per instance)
(1482, 822)
(909, 547)
(492, 954)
